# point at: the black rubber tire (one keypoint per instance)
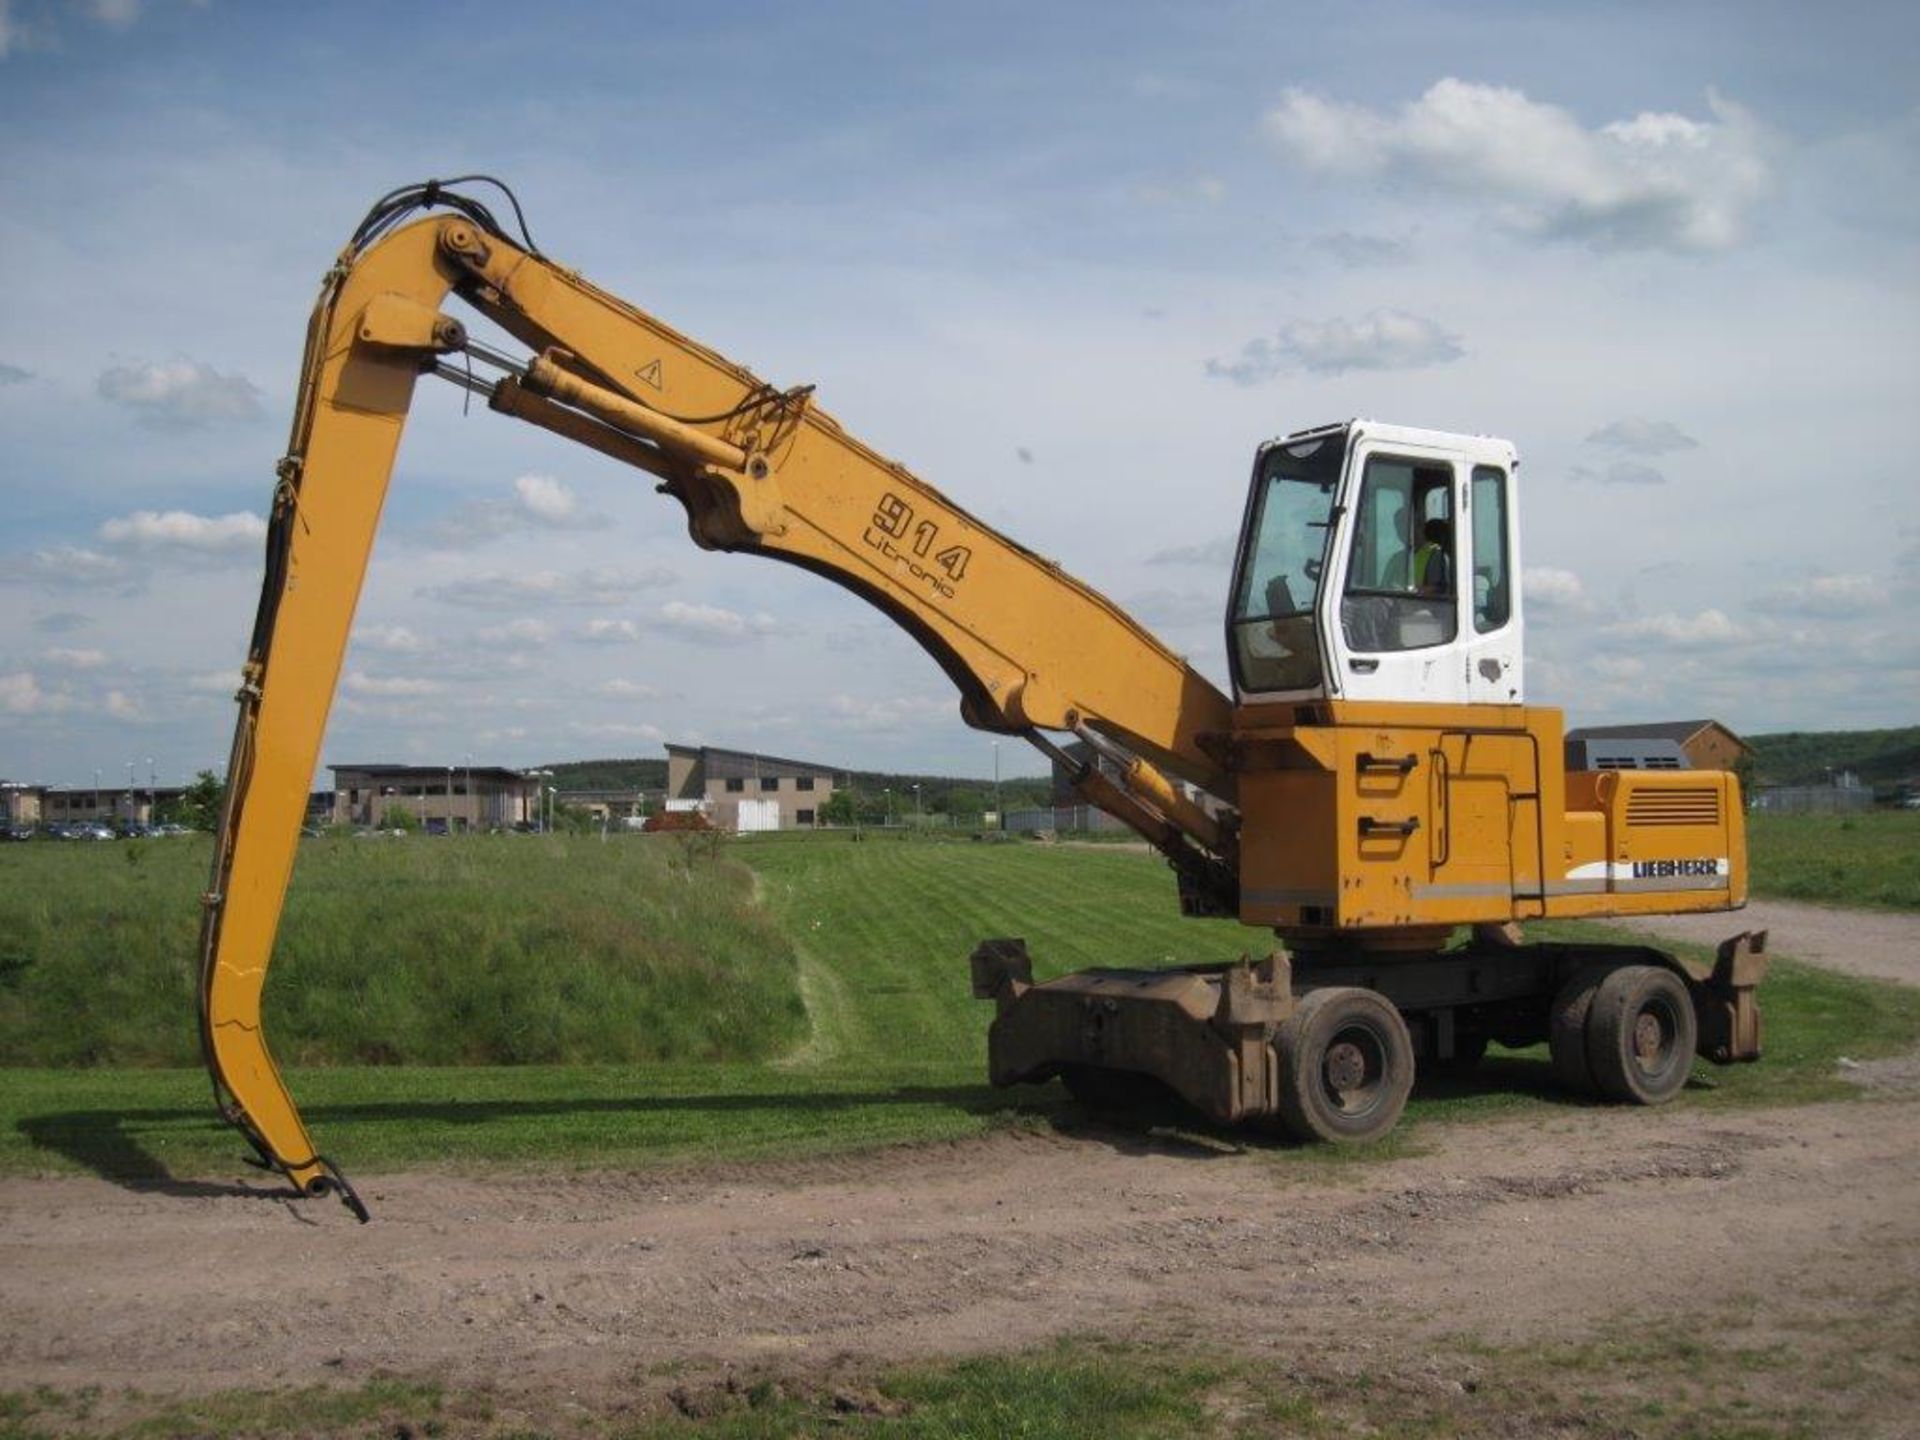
(1468, 1052)
(1567, 1032)
(1335, 1032)
(1112, 1091)
(1641, 1034)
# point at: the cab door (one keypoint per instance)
(1490, 630)
(1400, 614)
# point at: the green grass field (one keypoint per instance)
(1870, 859)
(873, 937)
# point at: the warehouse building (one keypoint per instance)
(459, 797)
(738, 790)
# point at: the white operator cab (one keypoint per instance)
(1379, 562)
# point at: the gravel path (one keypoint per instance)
(1879, 944)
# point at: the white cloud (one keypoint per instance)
(1656, 181)
(546, 498)
(524, 631)
(76, 565)
(1546, 588)
(20, 694)
(1684, 632)
(501, 590)
(1384, 340)
(1829, 597)
(359, 682)
(391, 639)
(179, 392)
(538, 500)
(695, 621)
(632, 690)
(610, 632)
(182, 530)
(122, 706)
(1643, 437)
(214, 682)
(70, 659)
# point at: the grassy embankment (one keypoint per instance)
(655, 1011)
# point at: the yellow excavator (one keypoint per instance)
(1376, 793)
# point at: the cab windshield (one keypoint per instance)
(1283, 554)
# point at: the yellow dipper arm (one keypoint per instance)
(757, 470)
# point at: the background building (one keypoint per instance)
(21, 803)
(463, 797)
(742, 791)
(1709, 744)
(109, 804)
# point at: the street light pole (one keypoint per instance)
(472, 806)
(999, 815)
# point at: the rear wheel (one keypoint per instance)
(1346, 1064)
(1641, 1034)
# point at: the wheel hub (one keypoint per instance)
(1346, 1066)
(1649, 1038)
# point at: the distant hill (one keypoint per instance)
(1878, 757)
(635, 774)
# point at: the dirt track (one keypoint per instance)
(1523, 1231)
(1880, 944)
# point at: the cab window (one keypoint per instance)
(1492, 589)
(1400, 576)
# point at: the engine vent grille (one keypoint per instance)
(1694, 805)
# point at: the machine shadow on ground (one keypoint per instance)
(116, 1144)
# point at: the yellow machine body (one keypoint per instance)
(1379, 820)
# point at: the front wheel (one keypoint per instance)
(1346, 1065)
(1641, 1034)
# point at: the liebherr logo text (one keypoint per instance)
(1669, 869)
(893, 520)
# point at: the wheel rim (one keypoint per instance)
(1656, 1031)
(1353, 1069)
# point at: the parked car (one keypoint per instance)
(16, 833)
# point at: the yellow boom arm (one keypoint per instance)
(757, 469)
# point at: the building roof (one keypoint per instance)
(1678, 731)
(422, 772)
(745, 765)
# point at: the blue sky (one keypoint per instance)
(1069, 263)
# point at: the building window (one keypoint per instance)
(805, 782)
(803, 817)
(736, 785)
(769, 782)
